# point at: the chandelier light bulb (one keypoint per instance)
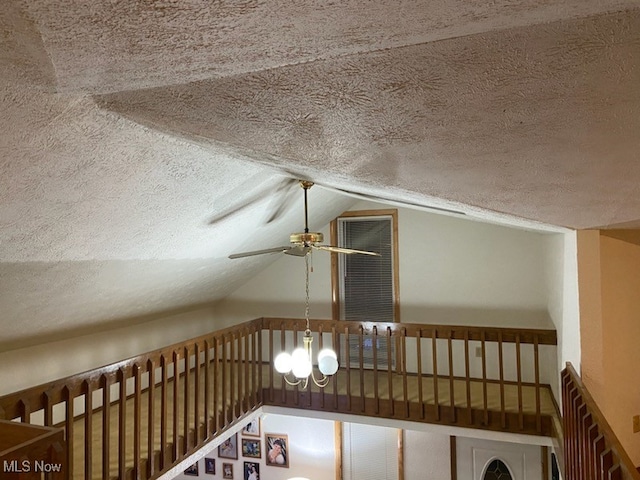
(327, 362)
(301, 363)
(283, 363)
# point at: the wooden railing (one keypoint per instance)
(140, 417)
(488, 378)
(592, 450)
(162, 406)
(29, 452)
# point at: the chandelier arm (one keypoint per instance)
(323, 382)
(293, 384)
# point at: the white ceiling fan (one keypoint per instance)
(302, 243)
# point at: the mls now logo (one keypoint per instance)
(14, 466)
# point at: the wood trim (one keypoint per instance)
(453, 455)
(333, 234)
(544, 453)
(337, 442)
(335, 285)
(400, 454)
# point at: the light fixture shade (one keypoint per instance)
(283, 363)
(301, 363)
(327, 362)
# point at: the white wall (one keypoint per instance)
(561, 272)
(35, 365)
(426, 455)
(452, 271)
(311, 451)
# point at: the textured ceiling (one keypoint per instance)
(127, 126)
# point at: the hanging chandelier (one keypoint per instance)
(297, 366)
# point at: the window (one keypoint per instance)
(497, 470)
(365, 288)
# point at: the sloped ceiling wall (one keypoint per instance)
(128, 126)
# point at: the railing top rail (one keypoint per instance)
(603, 425)
(456, 332)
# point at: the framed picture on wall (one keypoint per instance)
(227, 470)
(192, 470)
(210, 466)
(251, 471)
(252, 429)
(277, 447)
(229, 448)
(251, 448)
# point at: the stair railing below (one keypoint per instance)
(591, 449)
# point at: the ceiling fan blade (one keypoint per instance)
(390, 201)
(348, 251)
(261, 252)
(282, 199)
(298, 251)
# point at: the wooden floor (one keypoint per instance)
(515, 401)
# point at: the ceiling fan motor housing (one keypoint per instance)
(308, 238)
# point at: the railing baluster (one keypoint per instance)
(88, 429)
(361, 367)
(68, 423)
(519, 372)
(196, 395)
(348, 366)
(283, 347)
(484, 377)
(238, 364)
(536, 366)
(224, 366)
(259, 398)
(503, 413)
(176, 402)
(137, 420)
(164, 412)
(390, 373)
(452, 401)
(151, 421)
(374, 350)
(320, 348)
(419, 372)
(122, 422)
(403, 349)
(247, 378)
(434, 356)
(207, 390)
(106, 426)
(467, 376)
(216, 391)
(186, 399)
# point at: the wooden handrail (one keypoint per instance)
(163, 405)
(592, 449)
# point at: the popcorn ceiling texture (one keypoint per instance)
(126, 126)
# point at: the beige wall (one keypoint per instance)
(610, 329)
(621, 334)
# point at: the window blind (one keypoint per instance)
(366, 282)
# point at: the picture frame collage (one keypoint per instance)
(276, 448)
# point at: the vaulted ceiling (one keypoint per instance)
(142, 142)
